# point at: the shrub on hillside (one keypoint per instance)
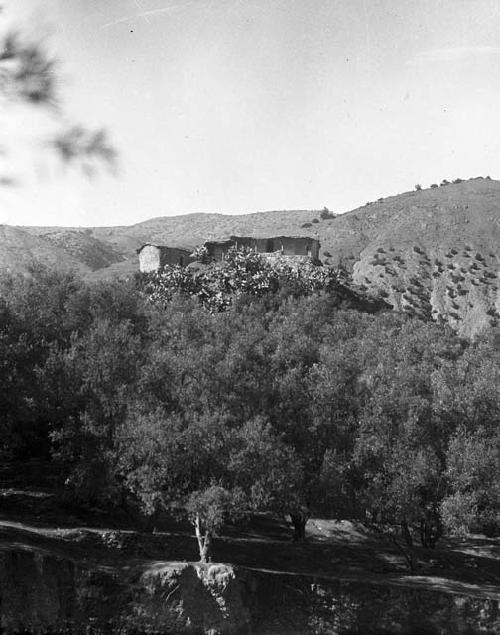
(243, 272)
(200, 254)
(325, 214)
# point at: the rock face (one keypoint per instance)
(42, 593)
(189, 599)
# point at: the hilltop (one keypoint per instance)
(433, 252)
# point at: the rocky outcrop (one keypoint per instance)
(42, 592)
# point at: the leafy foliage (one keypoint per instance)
(325, 214)
(26, 72)
(243, 272)
(278, 399)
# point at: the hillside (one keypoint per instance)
(433, 252)
(19, 248)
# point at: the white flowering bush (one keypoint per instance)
(201, 254)
(243, 272)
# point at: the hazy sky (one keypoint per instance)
(246, 105)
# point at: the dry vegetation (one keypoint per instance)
(431, 252)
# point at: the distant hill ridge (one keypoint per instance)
(433, 252)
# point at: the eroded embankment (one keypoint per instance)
(44, 592)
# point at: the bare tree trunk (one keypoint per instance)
(299, 522)
(430, 529)
(204, 538)
(409, 556)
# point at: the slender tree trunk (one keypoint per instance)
(405, 530)
(204, 538)
(410, 559)
(299, 522)
(430, 529)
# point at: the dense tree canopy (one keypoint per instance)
(288, 402)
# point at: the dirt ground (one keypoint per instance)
(33, 517)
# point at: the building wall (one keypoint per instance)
(149, 258)
(217, 249)
(174, 256)
(298, 246)
(287, 245)
(153, 257)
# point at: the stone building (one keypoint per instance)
(154, 257)
(277, 245)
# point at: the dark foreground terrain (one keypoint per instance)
(65, 570)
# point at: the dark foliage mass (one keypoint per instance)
(291, 401)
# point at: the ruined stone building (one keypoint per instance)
(154, 257)
(278, 245)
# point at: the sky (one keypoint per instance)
(236, 106)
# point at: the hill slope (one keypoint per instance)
(432, 252)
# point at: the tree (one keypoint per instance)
(401, 440)
(207, 510)
(295, 335)
(326, 213)
(27, 338)
(473, 473)
(337, 391)
(201, 468)
(92, 382)
(19, 361)
(468, 401)
(34, 344)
